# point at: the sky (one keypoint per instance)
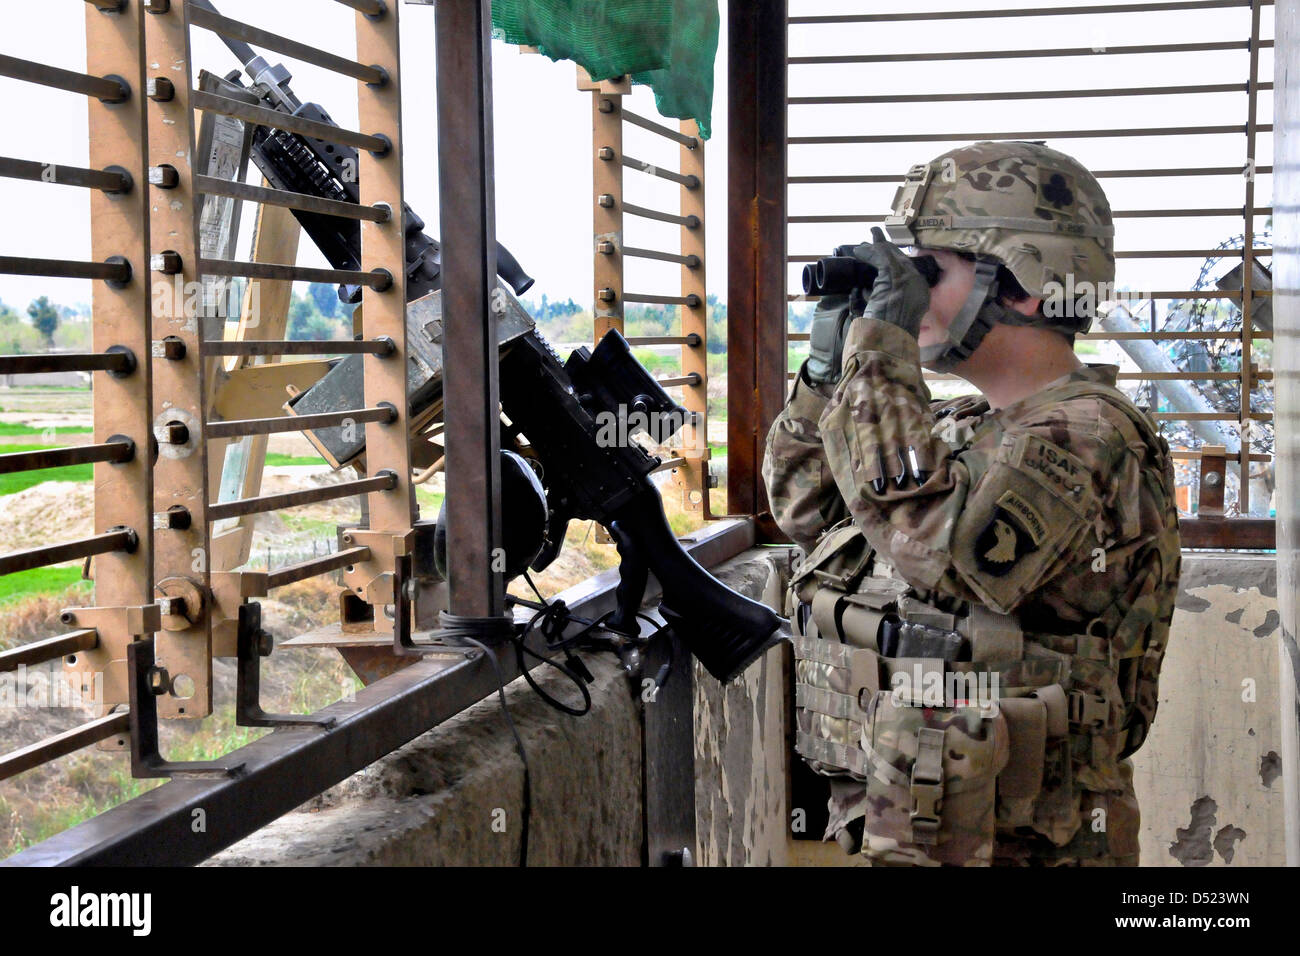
(543, 135)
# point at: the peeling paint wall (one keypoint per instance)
(1208, 777)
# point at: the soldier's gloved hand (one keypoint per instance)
(900, 296)
(830, 326)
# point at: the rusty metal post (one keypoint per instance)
(694, 474)
(383, 247)
(757, 314)
(118, 137)
(469, 282)
(181, 554)
(607, 199)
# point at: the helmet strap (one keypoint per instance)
(970, 326)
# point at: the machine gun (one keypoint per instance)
(562, 408)
(302, 164)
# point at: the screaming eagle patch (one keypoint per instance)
(1015, 529)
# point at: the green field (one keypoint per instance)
(9, 429)
(38, 581)
(19, 481)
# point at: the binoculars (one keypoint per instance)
(841, 273)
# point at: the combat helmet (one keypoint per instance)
(1022, 205)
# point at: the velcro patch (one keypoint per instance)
(1056, 191)
(1055, 467)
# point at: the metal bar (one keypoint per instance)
(693, 340)
(226, 27)
(1155, 336)
(293, 573)
(298, 347)
(120, 540)
(109, 89)
(691, 299)
(693, 379)
(122, 403)
(1170, 5)
(690, 222)
(691, 260)
(1248, 259)
(180, 386)
(1130, 254)
(297, 423)
(261, 116)
(122, 362)
(690, 142)
(1147, 172)
(379, 280)
(214, 186)
(607, 215)
(1203, 47)
(49, 649)
(289, 766)
(1020, 135)
(114, 451)
(1019, 95)
(1195, 455)
(690, 182)
(61, 745)
(1188, 376)
(66, 268)
(385, 481)
(1116, 214)
(109, 180)
(1208, 417)
(471, 389)
(757, 315)
(1234, 533)
(371, 8)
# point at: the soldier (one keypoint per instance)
(1018, 549)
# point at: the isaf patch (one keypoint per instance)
(1016, 529)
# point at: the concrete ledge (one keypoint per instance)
(454, 797)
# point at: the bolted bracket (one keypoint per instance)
(254, 644)
(106, 662)
(1214, 467)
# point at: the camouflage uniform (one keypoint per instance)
(1057, 512)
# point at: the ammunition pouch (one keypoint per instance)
(958, 727)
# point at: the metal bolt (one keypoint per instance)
(693, 301)
(605, 152)
(265, 643)
(160, 89)
(172, 433)
(168, 262)
(605, 106)
(164, 177)
(1213, 479)
(606, 295)
(175, 518)
(171, 348)
(158, 6)
(605, 201)
(169, 606)
(605, 248)
(68, 618)
(158, 680)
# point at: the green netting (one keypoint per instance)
(668, 45)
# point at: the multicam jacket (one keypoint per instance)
(1058, 508)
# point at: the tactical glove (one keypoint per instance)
(830, 326)
(900, 295)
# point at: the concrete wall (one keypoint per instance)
(453, 797)
(1209, 776)
(1286, 366)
